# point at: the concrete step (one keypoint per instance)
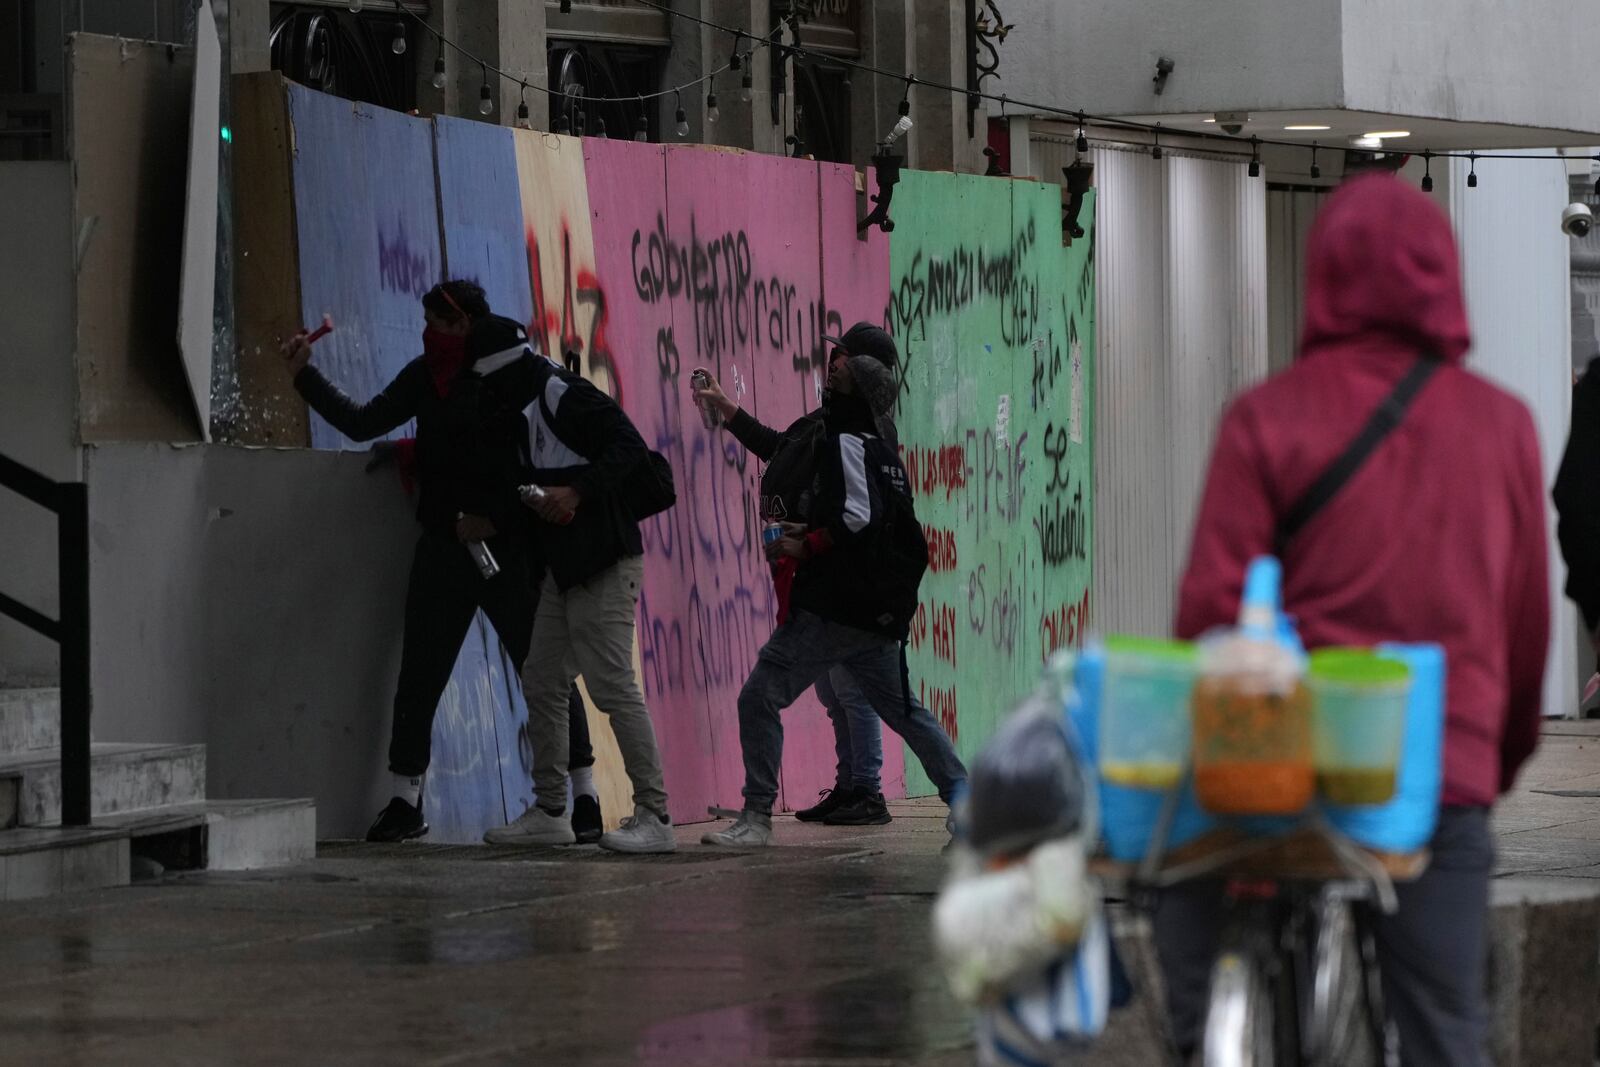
(124, 778)
(234, 835)
(220, 835)
(30, 720)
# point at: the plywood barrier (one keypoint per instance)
(640, 262)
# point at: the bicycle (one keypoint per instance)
(1295, 982)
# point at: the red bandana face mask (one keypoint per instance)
(443, 353)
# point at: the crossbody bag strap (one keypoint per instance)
(1378, 426)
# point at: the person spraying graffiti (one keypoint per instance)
(791, 458)
(860, 558)
(459, 469)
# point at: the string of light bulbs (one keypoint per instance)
(741, 62)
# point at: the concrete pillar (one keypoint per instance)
(940, 43)
(875, 100)
(509, 34)
(249, 26)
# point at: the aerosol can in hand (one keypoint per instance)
(709, 415)
(532, 495)
(488, 566)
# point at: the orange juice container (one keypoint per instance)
(1251, 717)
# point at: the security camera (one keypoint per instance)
(1232, 122)
(1577, 220)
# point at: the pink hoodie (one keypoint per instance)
(1440, 536)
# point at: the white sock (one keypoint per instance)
(583, 782)
(408, 788)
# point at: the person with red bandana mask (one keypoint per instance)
(1437, 536)
(464, 461)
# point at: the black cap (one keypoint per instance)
(865, 339)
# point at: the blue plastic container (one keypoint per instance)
(1128, 816)
(1405, 823)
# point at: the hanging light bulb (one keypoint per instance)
(438, 70)
(485, 98)
(681, 118)
(561, 122)
(1472, 171)
(398, 45)
(1082, 144)
(580, 123)
(902, 126)
(1316, 171)
(641, 132)
(600, 126)
(1427, 172)
(1255, 157)
(523, 122)
(713, 113)
(1155, 149)
(747, 86)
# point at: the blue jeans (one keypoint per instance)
(801, 653)
(857, 732)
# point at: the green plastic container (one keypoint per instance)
(1358, 723)
(1144, 711)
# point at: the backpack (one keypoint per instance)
(902, 554)
(649, 488)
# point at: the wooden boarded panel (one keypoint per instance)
(480, 205)
(996, 430)
(567, 313)
(130, 107)
(625, 344)
(367, 221)
(266, 267)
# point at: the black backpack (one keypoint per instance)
(903, 551)
(649, 488)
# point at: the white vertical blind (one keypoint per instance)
(1289, 216)
(1515, 265)
(1181, 325)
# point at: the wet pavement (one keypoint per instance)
(813, 953)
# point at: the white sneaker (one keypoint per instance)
(751, 830)
(643, 831)
(533, 827)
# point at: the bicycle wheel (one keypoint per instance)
(1336, 1032)
(1239, 1012)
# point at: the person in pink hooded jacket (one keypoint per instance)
(1438, 536)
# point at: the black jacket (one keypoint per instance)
(869, 578)
(1577, 497)
(574, 434)
(466, 447)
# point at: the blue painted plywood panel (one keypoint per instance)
(367, 225)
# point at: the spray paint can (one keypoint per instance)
(771, 532)
(531, 495)
(488, 566)
(709, 415)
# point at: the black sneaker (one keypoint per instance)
(398, 822)
(862, 809)
(586, 825)
(832, 800)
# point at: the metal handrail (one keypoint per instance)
(69, 501)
